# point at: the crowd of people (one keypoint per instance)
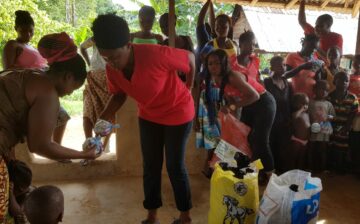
(305, 115)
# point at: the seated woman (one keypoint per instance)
(146, 21)
(30, 105)
(217, 87)
(18, 54)
(260, 114)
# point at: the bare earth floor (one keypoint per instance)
(119, 200)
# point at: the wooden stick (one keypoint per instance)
(172, 23)
(357, 49)
(324, 4)
(253, 2)
(291, 4)
(355, 9)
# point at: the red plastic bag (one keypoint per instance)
(235, 133)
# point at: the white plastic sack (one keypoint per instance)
(281, 205)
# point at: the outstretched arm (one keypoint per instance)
(113, 105)
(293, 72)
(191, 75)
(41, 123)
(212, 17)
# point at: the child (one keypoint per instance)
(332, 66)
(295, 157)
(45, 205)
(282, 92)
(354, 87)
(206, 123)
(346, 107)
(321, 112)
(20, 177)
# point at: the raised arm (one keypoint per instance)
(250, 95)
(302, 16)
(41, 123)
(212, 17)
(202, 14)
(83, 49)
(9, 54)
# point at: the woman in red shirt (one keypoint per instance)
(148, 73)
(260, 114)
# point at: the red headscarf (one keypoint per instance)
(57, 47)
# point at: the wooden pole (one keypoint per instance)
(171, 23)
(357, 50)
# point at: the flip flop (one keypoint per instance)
(177, 221)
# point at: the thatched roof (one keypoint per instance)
(341, 6)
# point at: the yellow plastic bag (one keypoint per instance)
(234, 200)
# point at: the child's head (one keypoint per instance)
(309, 44)
(222, 25)
(300, 101)
(45, 205)
(146, 18)
(20, 174)
(247, 43)
(334, 55)
(163, 21)
(277, 65)
(341, 81)
(216, 63)
(321, 89)
(356, 64)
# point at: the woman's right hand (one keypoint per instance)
(91, 153)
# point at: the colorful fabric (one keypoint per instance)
(304, 81)
(344, 109)
(14, 108)
(330, 78)
(327, 41)
(96, 95)
(57, 47)
(30, 58)
(354, 86)
(4, 192)
(161, 96)
(209, 134)
(231, 51)
(319, 112)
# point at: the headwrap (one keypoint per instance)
(57, 47)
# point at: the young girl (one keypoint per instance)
(217, 87)
(321, 113)
(279, 87)
(146, 21)
(295, 157)
(259, 115)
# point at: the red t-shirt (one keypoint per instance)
(304, 81)
(327, 41)
(251, 72)
(161, 96)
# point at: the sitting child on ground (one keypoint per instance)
(346, 106)
(321, 113)
(295, 157)
(45, 205)
(20, 176)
